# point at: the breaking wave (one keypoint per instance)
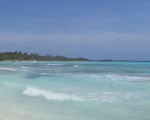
(49, 95)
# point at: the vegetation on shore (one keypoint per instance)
(19, 56)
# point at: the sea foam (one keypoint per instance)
(8, 69)
(49, 95)
(76, 66)
(54, 64)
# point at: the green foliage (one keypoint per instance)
(19, 56)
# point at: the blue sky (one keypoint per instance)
(95, 29)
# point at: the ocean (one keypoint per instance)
(74, 90)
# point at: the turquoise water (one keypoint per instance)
(74, 90)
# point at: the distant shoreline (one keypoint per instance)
(19, 56)
(33, 57)
(71, 61)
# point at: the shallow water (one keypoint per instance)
(74, 90)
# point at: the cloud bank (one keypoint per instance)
(107, 36)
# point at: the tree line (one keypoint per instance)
(20, 56)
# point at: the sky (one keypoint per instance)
(94, 29)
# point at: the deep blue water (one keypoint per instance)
(74, 90)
